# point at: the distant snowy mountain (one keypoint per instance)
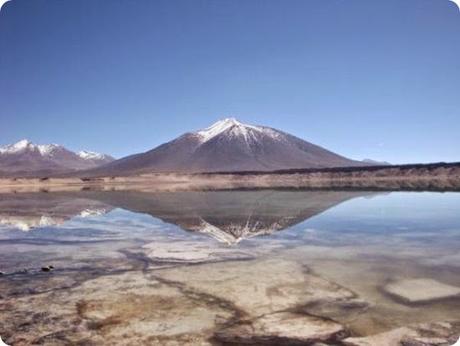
(376, 163)
(229, 145)
(25, 158)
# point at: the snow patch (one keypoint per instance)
(90, 155)
(47, 149)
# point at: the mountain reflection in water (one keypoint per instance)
(231, 216)
(227, 216)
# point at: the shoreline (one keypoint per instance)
(414, 177)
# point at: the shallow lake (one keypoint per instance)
(217, 267)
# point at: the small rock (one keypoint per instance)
(2, 273)
(47, 268)
(420, 290)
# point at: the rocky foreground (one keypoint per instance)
(266, 302)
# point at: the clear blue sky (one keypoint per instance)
(367, 79)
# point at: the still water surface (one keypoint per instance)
(187, 267)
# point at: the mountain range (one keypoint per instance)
(25, 157)
(226, 146)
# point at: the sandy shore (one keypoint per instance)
(184, 182)
(187, 182)
(440, 176)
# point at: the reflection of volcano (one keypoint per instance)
(33, 210)
(229, 216)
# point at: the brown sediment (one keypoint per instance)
(145, 263)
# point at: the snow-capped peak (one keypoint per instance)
(21, 144)
(225, 124)
(25, 144)
(90, 155)
(16, 147)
